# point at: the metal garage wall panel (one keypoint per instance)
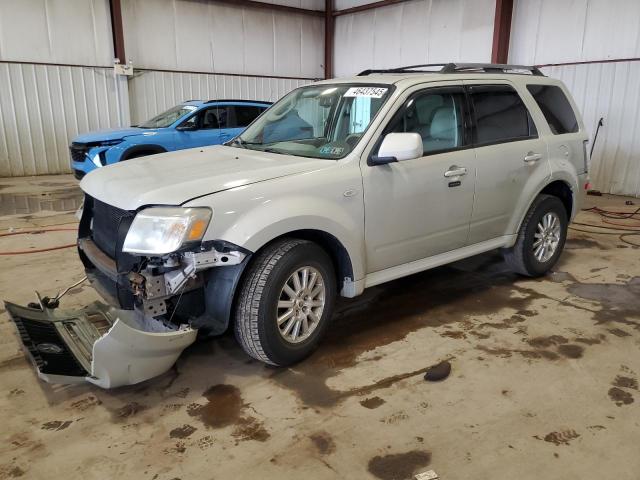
(199, 36)
(152, 92)
(308, 4)
(419, 31)
(76, 32)
(609, 90)
(42, 107)
(558, 31)
(344, 4)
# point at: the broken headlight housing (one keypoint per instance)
(163, 230)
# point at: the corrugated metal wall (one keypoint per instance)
(419, 31)
(43, 106)
(212, 37)
(152, 92)
(76, 32)
(568, 31)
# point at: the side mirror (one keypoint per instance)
(187, 127)
(397, 147)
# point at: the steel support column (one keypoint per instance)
(329, 23)
(502, 31)
(117, 31)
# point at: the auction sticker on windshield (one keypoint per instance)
(373, 92)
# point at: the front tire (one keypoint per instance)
(285, 302)
(541, 238)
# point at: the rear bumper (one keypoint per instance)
(98, 344)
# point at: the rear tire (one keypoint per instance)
(275, 321)
(540, 239)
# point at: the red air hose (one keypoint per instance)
(34, 232)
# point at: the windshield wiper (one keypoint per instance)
(242, 143)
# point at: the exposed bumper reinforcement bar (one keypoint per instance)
(106, 346)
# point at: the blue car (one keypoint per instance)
(191, 124)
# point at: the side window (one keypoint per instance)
(246, 115)
(500, 114)
(438, 116)
(210, 118)
(555, 108)
(191, 122)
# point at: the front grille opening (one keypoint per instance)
(105, 226)
(78, 152)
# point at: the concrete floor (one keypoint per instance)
(544, 381)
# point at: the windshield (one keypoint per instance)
(169, 117)
(319, 121)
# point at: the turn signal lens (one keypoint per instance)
(196, 232)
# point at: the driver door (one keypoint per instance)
(203, 128)
(419, 208)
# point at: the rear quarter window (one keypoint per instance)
(555, 107)
(247, 114)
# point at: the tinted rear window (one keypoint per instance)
(555, 108)
(246, 115)
(501, 116)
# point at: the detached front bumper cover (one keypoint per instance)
(103, 345)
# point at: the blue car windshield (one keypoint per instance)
(169, 117)
(318, 121)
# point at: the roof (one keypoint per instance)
(415, 74)
(224, 100)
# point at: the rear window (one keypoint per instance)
(555, 108)
(246, 115)
(501, 116)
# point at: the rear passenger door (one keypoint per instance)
(512, 161)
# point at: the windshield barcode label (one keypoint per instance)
(373, 92)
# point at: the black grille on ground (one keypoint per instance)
(106, 222)
(78, 151)
(60, 362)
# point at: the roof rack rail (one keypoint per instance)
(458, 68)
(236, 100)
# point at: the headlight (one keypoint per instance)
(109, 143)
(162, 230)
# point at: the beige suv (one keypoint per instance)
(339, 186)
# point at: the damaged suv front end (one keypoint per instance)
(153, 259)
(154, 270)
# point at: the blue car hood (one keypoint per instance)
(113, 134)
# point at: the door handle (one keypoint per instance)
(532, 157)
(455, 171)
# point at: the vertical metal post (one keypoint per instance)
(328, 38)
(502, 31)
(117, 31)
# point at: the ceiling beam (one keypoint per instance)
(329, 23)
(366, 6)
(271, 6)
(502, 31)
(117, 31)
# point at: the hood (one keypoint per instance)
(176, 177)
(112, 134)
